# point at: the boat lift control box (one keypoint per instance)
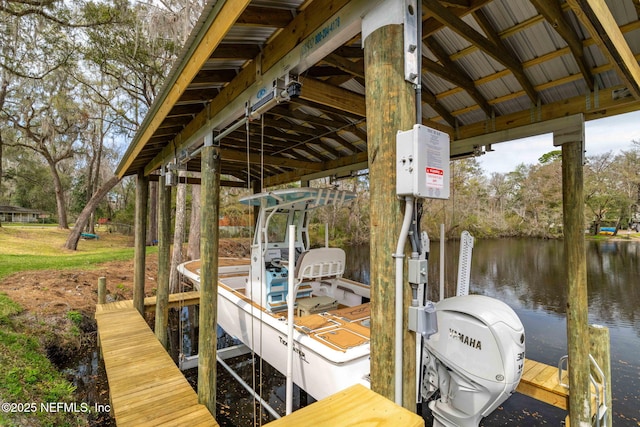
(422, 163)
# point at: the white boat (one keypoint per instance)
(475, 358)
(331, 336)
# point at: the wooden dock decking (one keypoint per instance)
(146, 387)
(354, 406)
(540, 381)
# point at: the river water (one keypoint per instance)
(527, 274)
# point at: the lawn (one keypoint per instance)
(31, 248)
(26, 374)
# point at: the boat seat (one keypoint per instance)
(320, 263)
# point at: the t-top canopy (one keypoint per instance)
(298, 198)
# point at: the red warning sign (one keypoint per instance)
(435, 178)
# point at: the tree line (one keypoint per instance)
(77, 78)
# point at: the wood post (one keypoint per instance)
(601, 352)
(102, 290)
(209, 275)
(390, 104)
(164, 263)
(142, 196)
(572, 141)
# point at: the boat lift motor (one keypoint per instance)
(476, 359)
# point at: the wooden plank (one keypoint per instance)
(354, 406)
(146, 387)
(540, 381)
(596, 17)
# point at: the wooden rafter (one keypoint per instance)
(236, 51)
(601, 25)
(265, 17)
(344, 64)
(332, 96)
(299, 28)
(450, 71)
(552, 12)
(430, 99)
(431, 25)
(489, 47)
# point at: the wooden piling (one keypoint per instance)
(140, 247)
(102, 290)
(164, 245)
(572, 141)
(601, 352)
(390, 104)
(209, 275)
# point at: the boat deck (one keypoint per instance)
(146, 386)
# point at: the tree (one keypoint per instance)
(604, 195)
(48, 121)
(85, 215)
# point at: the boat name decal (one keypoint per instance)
(465, 339)
(301, 354)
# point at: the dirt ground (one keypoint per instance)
(52, 293)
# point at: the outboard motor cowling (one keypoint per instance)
(475, 359)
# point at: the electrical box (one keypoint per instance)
(422, 163)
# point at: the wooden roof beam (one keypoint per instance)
(450, 71)
(603, 28)
(298, 29)
(346, 65)
(236, 51)
(552, 12)
(257, 158)
(508, 59)
(265, 17)
(312, 131)
(497, 51)
(430, 99)
(226, 17)
(332, 96)
(430, 25)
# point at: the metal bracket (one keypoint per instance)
(411, 41)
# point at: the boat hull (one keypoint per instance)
(318, 369)
(320, 372)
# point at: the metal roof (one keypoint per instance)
(486, 64)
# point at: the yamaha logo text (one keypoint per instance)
(465, 339)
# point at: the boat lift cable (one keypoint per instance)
(251, 308)
(262, 275)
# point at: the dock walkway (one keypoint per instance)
(146, 386)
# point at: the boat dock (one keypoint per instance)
(146, 387)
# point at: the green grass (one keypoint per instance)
(26, 374)
(28, 249)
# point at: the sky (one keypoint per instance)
(609, 134)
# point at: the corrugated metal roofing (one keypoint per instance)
(479, 87)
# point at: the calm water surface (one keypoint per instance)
(527, 274)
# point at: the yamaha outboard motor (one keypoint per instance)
(475, 359)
